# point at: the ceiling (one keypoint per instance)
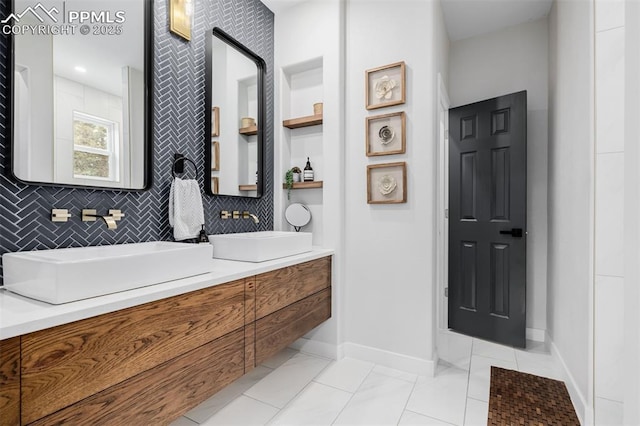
(467, 18)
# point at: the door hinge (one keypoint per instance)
(446, 213)
(446, 292)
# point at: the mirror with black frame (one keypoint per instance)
(81, 93)
(234, 123)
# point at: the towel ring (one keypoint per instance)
(173, 168)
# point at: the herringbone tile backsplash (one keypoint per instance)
(178, 116)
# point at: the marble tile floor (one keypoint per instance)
(297, 389)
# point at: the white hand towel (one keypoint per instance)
(186, 214)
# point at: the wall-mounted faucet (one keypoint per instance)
(224, 214)
(89, 215)
(247, 215)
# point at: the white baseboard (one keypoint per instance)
(536, 334)
(583, 408)
(314, 347)
(398, 361)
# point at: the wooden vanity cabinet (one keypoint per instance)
(289, 303)
(151, 363)
(10, 382)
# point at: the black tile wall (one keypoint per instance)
(178, 117)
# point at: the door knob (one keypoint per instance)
(514, 232)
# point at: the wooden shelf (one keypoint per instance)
(304, 185)
(248, 187)
(296, 123)
(249, 131)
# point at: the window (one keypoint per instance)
(95, 148)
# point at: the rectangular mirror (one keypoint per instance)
(235, 105)
(81, 93)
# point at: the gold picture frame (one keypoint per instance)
(215, 185)
(386, 134)
(215, 156)
(180, 12)
(387, 183)
(215, 121)
(385, 86)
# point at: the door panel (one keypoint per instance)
(468, 179)
(487, 199)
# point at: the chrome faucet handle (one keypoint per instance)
(60, 215)
(116, 214)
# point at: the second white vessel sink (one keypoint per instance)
(70, 274)
(260, 246)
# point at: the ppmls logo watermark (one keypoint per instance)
(68, 22)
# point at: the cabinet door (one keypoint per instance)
(10, 382)
(65, 364)
(278, 330)
(280, 288)
(160, 395)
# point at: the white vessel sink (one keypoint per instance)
(260, 246)
(65, 275)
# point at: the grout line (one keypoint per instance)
(464, 416)
(413, 388)
(609, 399)
(430, 417)
(609, 276)
(191, 420)
(301, 390)
(352, 395)
(476, 399)
(260, 401)
(609, 29)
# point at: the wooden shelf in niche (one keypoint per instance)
(304, 185)
(249, 131)
(247, 187)
(296, 123)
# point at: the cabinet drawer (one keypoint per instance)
(280, 288)
(65, 364)
(278, 330)
(10, 382)
(160, 395)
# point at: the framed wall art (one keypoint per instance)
(385, 86)
(215, 121)
(386, 134)
(215, 185)
(215, 156)
(180, 12)
(387, 183)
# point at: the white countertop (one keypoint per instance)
(21, 315)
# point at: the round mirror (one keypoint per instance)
(298, 215)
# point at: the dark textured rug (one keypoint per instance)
(524, 399)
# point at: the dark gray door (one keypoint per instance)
(487, 218)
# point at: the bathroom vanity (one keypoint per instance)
(146, 356)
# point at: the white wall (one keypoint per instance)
(609, 206)
(234, 91)
(313, 31)
(499, 63)
(631, 378)
(133, 135)
(71, 96)
(36, 56)
(570, 193)
(390, 249)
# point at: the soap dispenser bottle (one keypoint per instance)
(202, 238)
(308, 172)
